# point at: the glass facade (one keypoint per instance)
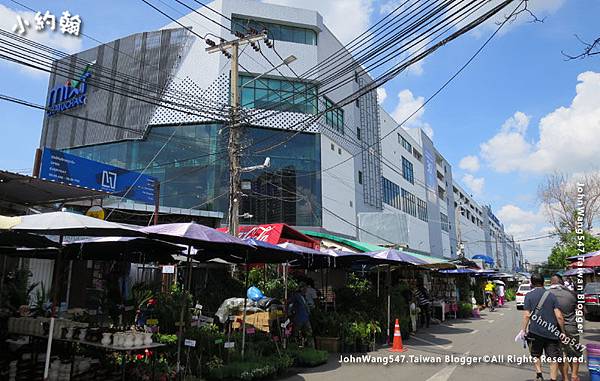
(275, 31)
(407, 170)
(192, 168)
(334, 117)
(391, 193)
(278, 94)
(407, 146)
(422, 210)
(409, 203)
(444, 222)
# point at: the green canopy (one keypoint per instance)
(360, 246)
(367, 247)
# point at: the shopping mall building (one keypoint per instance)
(157, 102)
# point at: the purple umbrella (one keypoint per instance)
(201, 237)
(392, 255)
(300, 249)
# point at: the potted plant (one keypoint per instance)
(365, 333)
(326, 329)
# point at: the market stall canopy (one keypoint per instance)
(485, 258)
(130, 249)
(23, 239)
(27, 190)
(458, 271)
(463, 261)
(363, 247)
(392, 256)
(71, 224)
(301, 249)
(266, 253)
(201, 237)
(575, 272)
(584, 256)
(275, 234)
(589, 262)
(433, 262)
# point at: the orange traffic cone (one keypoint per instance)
(397, 344)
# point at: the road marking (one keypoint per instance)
(473, 332)
(445, 373)
(432, 343)
(501, 314)
(491, 321)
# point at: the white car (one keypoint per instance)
(520, 297)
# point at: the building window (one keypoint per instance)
(275, 31)
(360, 177)
(358, 134)
(441, 192)
(417, 155)
(356, 76)
(391, 193)
(407, 170)
(405, 143)
(351, 204)
(357, 102)
(335, 116)
(444, 222)
(278, 94)
(422, 209)
(339, 151)
(332, 147)
(409, 203)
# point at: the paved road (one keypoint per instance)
(492, 335)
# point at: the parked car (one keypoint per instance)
(592, 300)
(520, 297)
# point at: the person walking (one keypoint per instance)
(300, 314)
(567, 303)
(542, 324)
(422, 296)
(489, 294)
(500, 292)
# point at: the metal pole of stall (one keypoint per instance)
(244, 312)
(182, 312)
(389, 287)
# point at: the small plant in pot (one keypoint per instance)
(365, 333)
(327, 332)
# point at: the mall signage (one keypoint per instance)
(74, 170)
(70, 95)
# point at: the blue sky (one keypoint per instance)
(512, 110)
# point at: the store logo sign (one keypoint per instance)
(109, 179)
(70, 95)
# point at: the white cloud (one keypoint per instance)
(474, 184)
(526, 224)
(564, 136)
(407, 105)
(469, 163)
(55, 39)
(381, 95)
(346, 18)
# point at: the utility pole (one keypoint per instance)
(459, 245)
(233, 143)
(497, 252)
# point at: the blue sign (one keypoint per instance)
(430, 169)
(70, 95)
(74, 170)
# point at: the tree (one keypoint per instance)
(568, 247)
(589, 49)
(563, 200)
